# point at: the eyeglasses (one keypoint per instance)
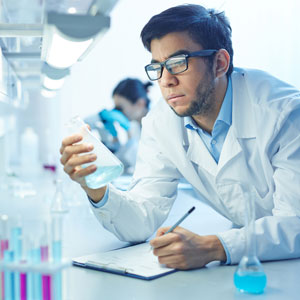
(175, 64)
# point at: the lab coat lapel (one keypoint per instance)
(198, 153)
(177, 146)
(243, 123)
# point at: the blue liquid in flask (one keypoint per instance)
(103, 175)
(250, 283)
(249, 276)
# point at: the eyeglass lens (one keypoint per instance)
(174, 65)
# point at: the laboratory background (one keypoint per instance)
(34, 109)
(264, 37)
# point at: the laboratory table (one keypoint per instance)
(83, 235)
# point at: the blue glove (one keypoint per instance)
(108, 118)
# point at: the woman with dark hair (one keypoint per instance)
(131, 102)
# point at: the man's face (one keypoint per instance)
(189, 93)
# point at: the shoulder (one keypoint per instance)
(271, 100)
(264, 88)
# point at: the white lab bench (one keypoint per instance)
(84, 235)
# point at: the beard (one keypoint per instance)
(205, 98)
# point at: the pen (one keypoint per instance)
(180, 220)
(177, 223)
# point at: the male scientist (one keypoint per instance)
(217, 127)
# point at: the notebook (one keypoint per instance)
(135, 261)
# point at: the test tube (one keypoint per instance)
(29, 278)
(34, 280)
(23, 276)
(4, 243)
(8, 277)
(16, 246)
(57, 221)
(46, 278)
(4, 236)
(1, 281)
(37, 278)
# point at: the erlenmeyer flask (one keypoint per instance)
(59, 204)
(108, 165)
(249, 276)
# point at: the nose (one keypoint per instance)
(167, 79)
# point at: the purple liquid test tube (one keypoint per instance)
(4, 244)
(23, 290)
(46, 279)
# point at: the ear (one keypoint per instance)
(222, 61)
(141, 103)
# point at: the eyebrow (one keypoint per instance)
(173, 54)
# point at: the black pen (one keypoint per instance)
(180, 220)
(177, 223)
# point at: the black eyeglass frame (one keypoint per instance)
(201, 53)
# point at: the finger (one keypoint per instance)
(88, 126)
(72, 139)
(71, 150)
(174, 261)
(79, 173)
(175, 247)
(161, 231)
(78, 160)
(162, 241)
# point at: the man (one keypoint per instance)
(218, 128)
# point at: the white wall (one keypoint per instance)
(118, 55)
(264, 37)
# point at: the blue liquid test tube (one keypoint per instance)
(37, 278)
(8, 277)
(57, 221)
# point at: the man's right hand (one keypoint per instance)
(72, 161)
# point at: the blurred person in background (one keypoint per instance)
(131, 104)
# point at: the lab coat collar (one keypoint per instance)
(199, 154)
(243, 126)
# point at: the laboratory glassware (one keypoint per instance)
(57, 228)
(59, 204)
(249, 276)
(108, 165)
(4, 235)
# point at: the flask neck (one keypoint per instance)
(250, 239)
(250, 226)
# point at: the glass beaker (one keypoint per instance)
(249, 276)
(108, 165)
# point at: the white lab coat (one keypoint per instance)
(262, 148)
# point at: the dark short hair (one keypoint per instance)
(133, 89)
(207, 27)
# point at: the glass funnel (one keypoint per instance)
(249, 276)
(108, 165)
